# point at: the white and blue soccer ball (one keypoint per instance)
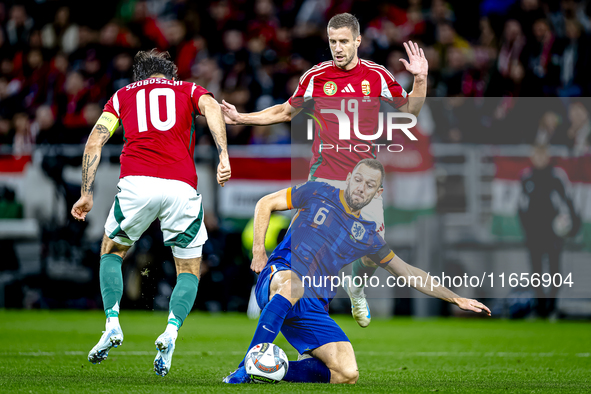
(266, 363)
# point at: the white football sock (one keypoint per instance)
(112, 322)
(172, 330)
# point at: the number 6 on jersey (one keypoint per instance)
(320, 216)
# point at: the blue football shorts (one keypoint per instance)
(308, 325)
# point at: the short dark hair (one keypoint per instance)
(373, 164)
(345, 20)
(146, 64)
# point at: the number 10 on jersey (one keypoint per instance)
(153, 99)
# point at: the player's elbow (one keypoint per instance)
(268, 203)
(287, 116)
(285, 112)
(263, 208)
(93, 143)
(208, 105)
(264, 202)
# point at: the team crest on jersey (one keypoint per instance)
(365, 87)
(358, 231)
(330, 88)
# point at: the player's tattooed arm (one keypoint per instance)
(215, 120)
(88, 168)
(90, 162)
(102, 132)
(92, 156)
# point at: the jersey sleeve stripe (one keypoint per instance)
(312, 70)
(387, 259)
(288, 196)
(308, 94)
(385, 92)
(294, 218)
(383, 256)
(378, 67)
(116, 103)
(193, 89)
(315, 68)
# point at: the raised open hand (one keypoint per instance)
(417, 62)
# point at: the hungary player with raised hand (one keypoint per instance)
(157, 180)
(363, 84)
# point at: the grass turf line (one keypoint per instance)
(45, 351)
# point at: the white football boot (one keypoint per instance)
(359, 306)
(163, 360)
(110, 338)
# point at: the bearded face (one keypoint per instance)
(362, 186)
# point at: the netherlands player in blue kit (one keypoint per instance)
(294, 287)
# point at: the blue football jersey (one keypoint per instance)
(325, 236)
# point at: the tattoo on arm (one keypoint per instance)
(103, 133)
(218, 131)
(220, 141)
(215, 122)
(88, 173)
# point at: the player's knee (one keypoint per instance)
(289, 290)
(289, 287)
(347, 375)
(188, 266)
(109, 246)
(296, 290)
(351, 375)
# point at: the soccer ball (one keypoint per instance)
(266, 363)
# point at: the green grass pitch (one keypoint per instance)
(45, 351)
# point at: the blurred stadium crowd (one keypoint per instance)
(60, 61)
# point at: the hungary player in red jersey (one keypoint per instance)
(363, 85)
(157, 180)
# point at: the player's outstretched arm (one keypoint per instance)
(99, 135)
(215, 120)
(277, 201)
(425, 283)
(418, 66)
(276, 114)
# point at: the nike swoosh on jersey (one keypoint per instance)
(273, 332)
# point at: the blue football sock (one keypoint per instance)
(309, 370)
(270, 321)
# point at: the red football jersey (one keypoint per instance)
(369, 84)
(158, 119)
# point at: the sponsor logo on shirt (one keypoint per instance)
(348, 89)
(330, 88)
